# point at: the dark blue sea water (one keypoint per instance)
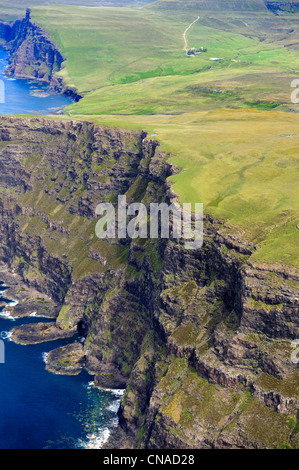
(39, 409)
(26, 96)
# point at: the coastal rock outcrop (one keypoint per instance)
(35, 333)
(66, 360)
(33, 55)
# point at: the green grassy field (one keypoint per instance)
(224, 121)
(127, 61)
(9, 11)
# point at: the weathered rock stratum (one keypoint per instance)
(200, 339)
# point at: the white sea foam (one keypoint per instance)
(12, 303)
(45, 357)
(96, 441)
(118, 392)
(7, 315)
(114, 406)
(6, 335)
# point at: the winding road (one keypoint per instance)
(186, 31)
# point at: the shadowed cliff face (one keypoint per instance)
(200, 339)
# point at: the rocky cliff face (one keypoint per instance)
(33, 55)
(202, 340)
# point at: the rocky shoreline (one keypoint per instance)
(28, 301)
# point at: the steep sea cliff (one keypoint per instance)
(200, 339)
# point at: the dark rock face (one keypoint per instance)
(202, 340)
(278, 7)
(33, 55)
